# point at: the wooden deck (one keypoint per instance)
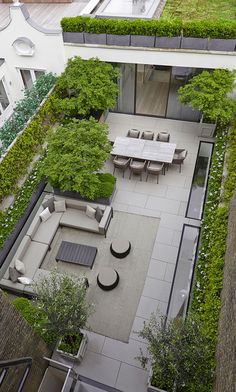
(46, 15)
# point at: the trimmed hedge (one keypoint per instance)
(206, 301)
(162, 28)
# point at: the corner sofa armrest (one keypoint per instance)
(105, 221)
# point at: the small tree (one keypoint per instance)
(180, 355)
(85, 86)
(61, 299)
(208, 92)
(76, 151)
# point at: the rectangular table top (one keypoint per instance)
(144, 149)
(76, 253)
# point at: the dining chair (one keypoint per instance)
(155, 168)
(179, 157)
(134, 133)
(137, 166)
(121, 163)
(147, 135)
(163, 137)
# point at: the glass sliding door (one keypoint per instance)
(175, 109)
(126, 82)
(152, 89)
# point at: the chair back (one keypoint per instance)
(134, 133)
(163, 137)
(147, 135)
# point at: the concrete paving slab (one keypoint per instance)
(132, 379)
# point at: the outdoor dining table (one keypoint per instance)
(144, 149)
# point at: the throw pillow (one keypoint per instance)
(14, 274)
(45, 214)
(19, 266)
(49, 203)
(90, 212)
(24, 280)
(60, 205)
(98, 214)
(148, 135)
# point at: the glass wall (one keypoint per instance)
(199, 184)
(153, 90)
(126, 82)
(181, 286)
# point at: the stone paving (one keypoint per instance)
(107, 360)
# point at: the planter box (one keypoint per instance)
(76, 195)
(77, 38)
(118, 40)
(98, 39)
(227, 45)
(207, 129)
(168, 42)
(80, 355)
(142, 41)
(194, 43)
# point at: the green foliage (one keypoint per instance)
(85, 86)
(107, 184)
(25, 109)
(35, 318)
(179, 352)
(10, 217)
(208, 93)
(76, 151)
(62, 299)
(164, 27)
(71, 343)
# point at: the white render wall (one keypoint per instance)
(169, 57)
(48, 55)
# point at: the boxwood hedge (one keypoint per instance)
(162, 28)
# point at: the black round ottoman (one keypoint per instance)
(120, 248)
(108, 278)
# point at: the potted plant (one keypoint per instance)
(76, 153)
(62, 299)
(209, 93)
(180, 355)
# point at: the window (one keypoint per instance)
(4, 101)
(29, 76)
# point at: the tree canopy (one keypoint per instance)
(209, 92)
(76, 152)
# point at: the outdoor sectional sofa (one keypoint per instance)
(37, 241)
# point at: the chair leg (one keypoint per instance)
(130, 174)
(180, 167)
(147, 177)
(157, 178)
(123, 173)
(140, 176)
(114, 169)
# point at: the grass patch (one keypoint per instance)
(200, 9)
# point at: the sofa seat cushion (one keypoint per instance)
(34, 257)
(47, 230)
(78, 220)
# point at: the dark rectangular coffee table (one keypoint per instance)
(76, 253)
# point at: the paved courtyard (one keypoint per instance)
(107, 360)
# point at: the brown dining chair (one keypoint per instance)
(121, 163)
(155, 168)
(163, 137)
(147, 135)
(134, 133)
(137, 166)
(179, 157)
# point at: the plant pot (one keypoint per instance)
(118, 40)
(168, 42)
(194, 43)
(226, 45)
(98, 39)
(77, 195)
(207, 129)
(77, 38)
(142, 41)
(81, 352)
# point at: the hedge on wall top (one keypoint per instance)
(162, 28)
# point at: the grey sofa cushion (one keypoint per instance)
(47, 230)
(34, 257)
(98, 214)
(49, 203)
(14, 274)
(78, 220)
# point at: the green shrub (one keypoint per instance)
(162, 28)
(35, 318)
(107, 184)
(25, 109)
